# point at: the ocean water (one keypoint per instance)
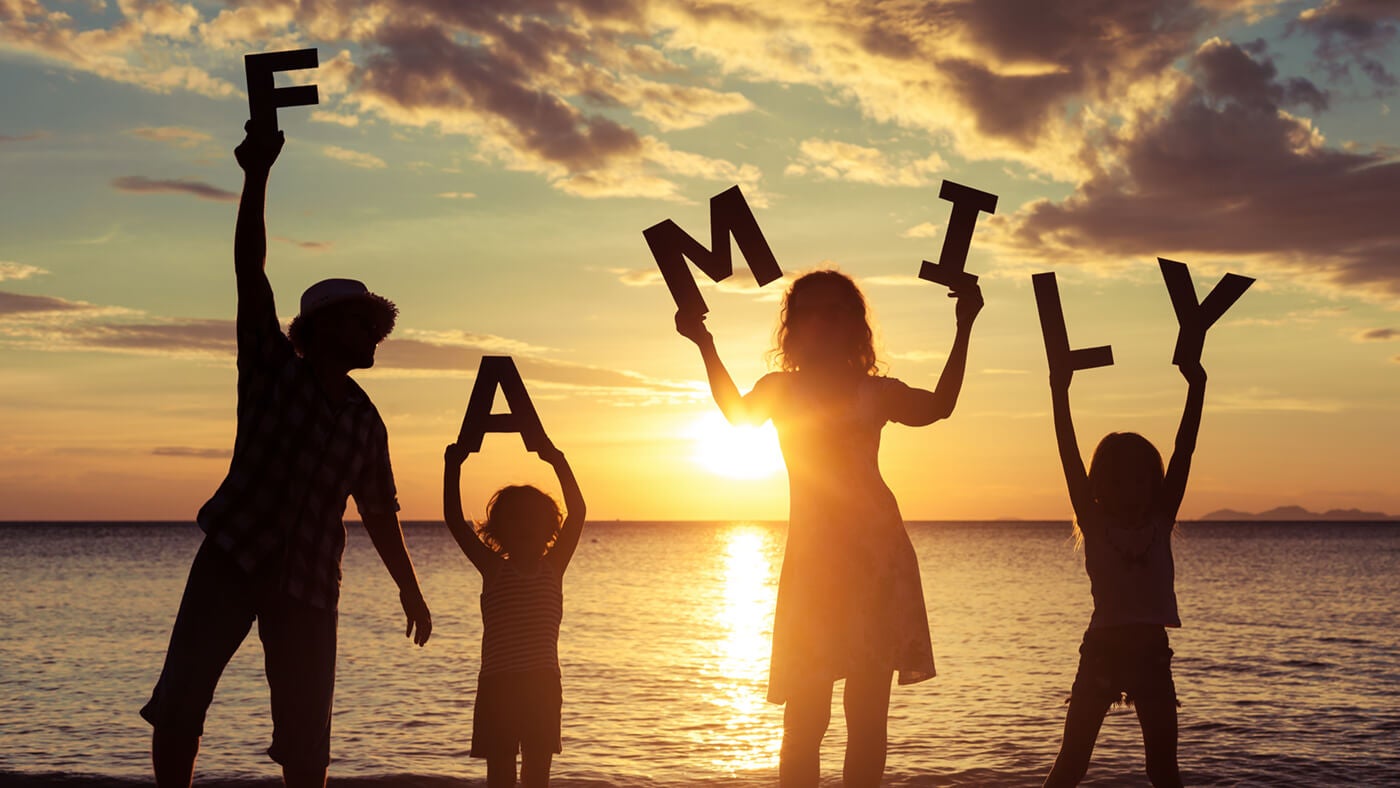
(1288, 665)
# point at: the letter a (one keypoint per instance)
(729, 215)
(263, 98)
(499, 372)
(1052, 327)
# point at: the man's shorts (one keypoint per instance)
(516, 711)
(217, 611)
(1124, 665)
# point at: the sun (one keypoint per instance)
(735, 452)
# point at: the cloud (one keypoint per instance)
(58, 325)
(171, 135)
(843, 161)
(354, 158)
(423, 76)
(1220, 171)
(10, 270)
(582, 92)
(457, 195)
(1297, 317)
(310, 246)
(20, 304)
(1255, 400)
(192, 451)
(485, 343)
(142, 185)
(30, 137)
(322, 116)
(1230, 72)
(146, 46)
(1356, 33)
(638, 277)
(1376, 335)
(741, 281)
(917, 355)
(923, 230)
(670, 106)
(893, 280)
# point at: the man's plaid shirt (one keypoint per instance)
(296, 459)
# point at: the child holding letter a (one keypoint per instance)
(521, 549)
(1125, 509)
(850, 600)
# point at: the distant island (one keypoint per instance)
(1299, 513)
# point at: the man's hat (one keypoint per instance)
(335, 291)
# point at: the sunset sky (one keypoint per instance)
(490, 166)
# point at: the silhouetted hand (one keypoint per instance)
(418, 616)
(550, 453)
(258, 150)
(455, 454)
(1194, 373)
(969, 304)
(691, 325)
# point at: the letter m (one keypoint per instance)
(729, 216)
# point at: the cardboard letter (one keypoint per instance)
(729, 215)
(1193, 319)
(967, 204)
(499, 371)
(1052, 327)
(263, 98)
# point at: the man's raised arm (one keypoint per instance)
(255, 155)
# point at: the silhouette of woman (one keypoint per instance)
(850, 602)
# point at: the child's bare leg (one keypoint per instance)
(867, 703)
(1082, 724)
(500, 771)
(805, 719)
(303, 778)
(173, 756)
(534, 767)
(1157, 716)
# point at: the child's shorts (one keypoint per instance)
(1124, 665)
(515, 711)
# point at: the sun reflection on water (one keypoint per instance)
(752, 730)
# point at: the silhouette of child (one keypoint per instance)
(521, 549)
(1125, 508)
(850, 603)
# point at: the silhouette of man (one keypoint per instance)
(308, 438)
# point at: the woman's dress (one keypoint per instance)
(849, 596)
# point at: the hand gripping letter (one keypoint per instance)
(494, 372)
(1193, 319)
(729, 215)
(263, 98)
(1052, 327)
(967, 204)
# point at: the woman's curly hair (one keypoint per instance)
(858, 339)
